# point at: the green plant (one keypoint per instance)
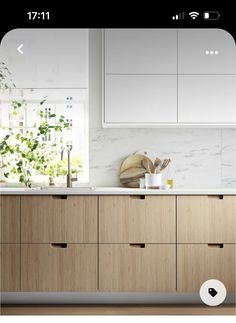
(26, 151)
(76, 165)
(59, 167)
(56, 168)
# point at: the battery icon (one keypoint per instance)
(211, 15)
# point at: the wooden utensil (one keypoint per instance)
(157, 162)
(164, 164)
(147, 164)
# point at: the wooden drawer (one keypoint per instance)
(10, 268)
(10, 219)
(127, 219)
(206, 219)
(200, 262)
(137, 268)
(57, 268)
(47, 219)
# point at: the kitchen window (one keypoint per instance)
(21, 113)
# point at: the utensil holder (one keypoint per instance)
(153, 181)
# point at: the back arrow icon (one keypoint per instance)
(19, 48)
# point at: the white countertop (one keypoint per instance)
(113, 191)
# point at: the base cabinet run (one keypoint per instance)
(117, 243)
(58, 267)
(137, 268)
(200, 262)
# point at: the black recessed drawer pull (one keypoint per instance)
(59, 245)
(216, 245)
(217, 197)
(137, 197)
(59, 197)
(137, 245)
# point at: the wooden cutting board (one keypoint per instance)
(132, 170)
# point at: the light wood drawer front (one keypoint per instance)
(126, 268)
(206, 219)
(47, 268)
(200, 262)
(47, 219)
(10, 219)
(126, 219)
(10, 268)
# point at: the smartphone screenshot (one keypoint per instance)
(118, 163)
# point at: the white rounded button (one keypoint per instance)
(213, 292)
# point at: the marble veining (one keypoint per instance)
(206, 159)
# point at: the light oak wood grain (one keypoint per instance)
(125, 268)
(50, 269)
(206, 219)
(127, 219)
(139, 309)
(10, 267)
(50, 219)
(10, 219)
(200, 262)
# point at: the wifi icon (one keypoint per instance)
(194, 14)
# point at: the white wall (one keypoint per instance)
(200, 157)
(52, 58)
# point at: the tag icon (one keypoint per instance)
(213, 292)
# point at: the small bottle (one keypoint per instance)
(170, 182)
(169, 178)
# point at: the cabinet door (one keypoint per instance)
(10, 219)
(198, 263)
(58, 267)
(10, 268)
(126, 219)
(137, 268)
(207, 99)
(140, 51)
(195, 47)
(206, 219)
(59, 219)
(140, 99)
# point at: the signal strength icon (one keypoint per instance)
(179, 16)
(194, 14)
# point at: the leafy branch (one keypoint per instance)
(32, 150)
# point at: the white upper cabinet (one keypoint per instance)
(207, 99)
(140, 51)
(206, 51)
(155, 77)
(140, 99)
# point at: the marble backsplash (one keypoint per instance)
(201, 157)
